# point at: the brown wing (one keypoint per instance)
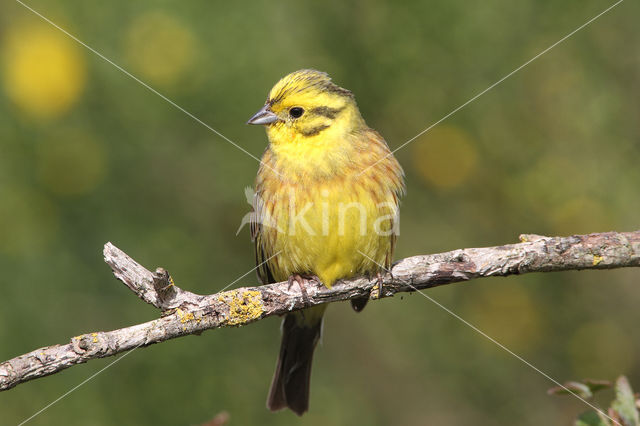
(388, 165)
(262, 256)
(392, 238)
(384, 164)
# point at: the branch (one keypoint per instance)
(185, 313)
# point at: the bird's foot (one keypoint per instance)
(380, 279)
(302, 281)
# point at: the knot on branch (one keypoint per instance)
(165, 288)
(91, 345)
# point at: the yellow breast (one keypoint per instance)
(323, 216)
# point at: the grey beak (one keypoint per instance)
(264, 116)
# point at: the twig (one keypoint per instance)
(185, 313)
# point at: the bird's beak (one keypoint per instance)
(264, 116)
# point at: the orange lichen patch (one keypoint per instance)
(597, 259)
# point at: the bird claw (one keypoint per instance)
(302, 281)
(380, 279)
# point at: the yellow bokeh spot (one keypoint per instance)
(445, 157)
(160, 47)
(44, 71)
(71, 163)
(580, 215)
(600, 350)
(506, 312)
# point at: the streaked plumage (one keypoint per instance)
(317, 167)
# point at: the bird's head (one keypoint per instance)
(306, 105)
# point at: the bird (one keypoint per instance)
(326, 207)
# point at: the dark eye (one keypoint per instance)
(296, 112)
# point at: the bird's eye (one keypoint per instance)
(296, 112)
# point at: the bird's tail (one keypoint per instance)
(290, 385)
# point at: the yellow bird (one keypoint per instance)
(326, 205)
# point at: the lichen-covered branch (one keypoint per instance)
(185, 313)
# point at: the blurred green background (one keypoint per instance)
(88, 155)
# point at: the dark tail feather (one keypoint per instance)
(290, 385)
(359, 303)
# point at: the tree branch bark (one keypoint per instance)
(185, 313)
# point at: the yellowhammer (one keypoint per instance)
(326, 205)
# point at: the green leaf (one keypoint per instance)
(596, 385)
(625, 403)
(576, 387)
(592, 418)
